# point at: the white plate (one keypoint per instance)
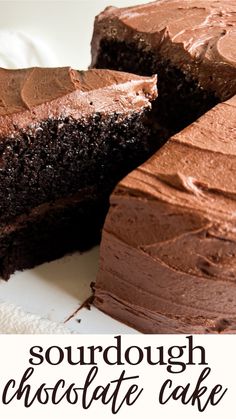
(55, 290)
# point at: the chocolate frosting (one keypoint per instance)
(31, 95)
(168, 254)
(197, 36)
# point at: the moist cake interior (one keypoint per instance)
(63, 148)
(62, 157)
(47, 166)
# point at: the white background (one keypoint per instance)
(66, 25)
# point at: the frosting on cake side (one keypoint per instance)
(168, 255)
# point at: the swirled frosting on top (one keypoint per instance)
(34, 94)
(168, 258)
(198, 36)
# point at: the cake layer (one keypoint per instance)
(168, 253)
(191, 45)
(62, 130)
(66, 138)
(50, 231)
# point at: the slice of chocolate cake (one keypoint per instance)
(168, 253)
(190, 44)
(66, 138)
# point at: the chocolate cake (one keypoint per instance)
(168, 254)
(66, 138)
(190, 44)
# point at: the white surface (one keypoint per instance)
(66, 26)
(54, 291)
(14, 320)
(18, 49)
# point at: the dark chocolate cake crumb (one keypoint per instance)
(62, 151)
